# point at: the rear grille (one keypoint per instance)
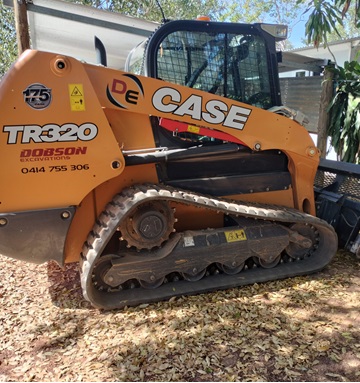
(348, 185)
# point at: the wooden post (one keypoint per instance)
(22, 26)
(324, 118)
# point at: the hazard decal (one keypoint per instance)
(76, 95)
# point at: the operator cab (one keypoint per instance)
(237, 61)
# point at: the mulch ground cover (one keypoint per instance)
(300, 329)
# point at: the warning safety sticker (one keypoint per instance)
(76, 94)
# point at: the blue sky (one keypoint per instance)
(298, 34)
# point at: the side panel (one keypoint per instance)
(56, 143)
(258, 129)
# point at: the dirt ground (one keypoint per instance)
(301, 329)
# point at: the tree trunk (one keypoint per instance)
(22, 26)
(324, 118)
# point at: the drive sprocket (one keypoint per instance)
(148, 226)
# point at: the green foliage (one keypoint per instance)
(273, 11)
(150, 10)
(322, 21)
(329, 20)
(8, 45)
(344, 127)
(346, 6)
(248, 11)
(348, 28)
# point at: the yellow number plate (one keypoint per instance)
(235, 235)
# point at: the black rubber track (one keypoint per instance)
(123, 203)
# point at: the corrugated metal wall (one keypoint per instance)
(303, 93)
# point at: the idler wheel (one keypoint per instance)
(295, 250)
(102, 266)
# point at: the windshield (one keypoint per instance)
(230, 65)
(135, 59)
(227, 64)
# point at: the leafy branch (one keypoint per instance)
(326, 18)
(344, 126)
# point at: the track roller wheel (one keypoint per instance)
(267, 264)
(151, 285)
(194, 275)
(231, 270)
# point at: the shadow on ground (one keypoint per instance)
(64, 286)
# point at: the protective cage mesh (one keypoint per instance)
(230, 65)
(344, 184)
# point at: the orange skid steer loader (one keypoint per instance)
(180, 175)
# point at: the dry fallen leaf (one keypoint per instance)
(295, 329)
(321, 345)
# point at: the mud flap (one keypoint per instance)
(35, 236)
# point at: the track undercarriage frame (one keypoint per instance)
(258, 243)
